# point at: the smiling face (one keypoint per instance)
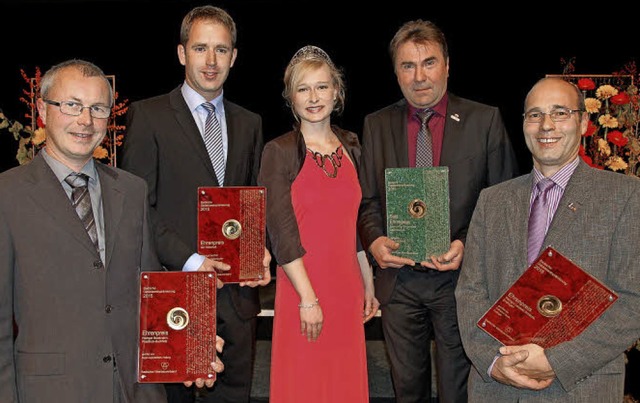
(554, 144)
(314, 95)
(72, 139)
(207, 57)
(422, 72)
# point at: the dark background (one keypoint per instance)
(496, 53)
(493, 59)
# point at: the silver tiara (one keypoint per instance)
(310, 52)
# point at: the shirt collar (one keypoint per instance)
(62, 171)
(560, 178)
(194, 100)
(440, 108)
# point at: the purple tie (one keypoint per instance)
(538, 219)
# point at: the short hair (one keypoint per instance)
(207, 13)
(578, 93)
(310, 58)
(418, 31)
(87, 69)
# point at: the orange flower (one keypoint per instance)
(586, 84)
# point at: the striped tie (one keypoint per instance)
(424, 147)
(213, 142)
(538, 219)
(81, 202)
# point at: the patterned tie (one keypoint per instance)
(424, 147)
(81, 202)
(538, 219)
(213, 142)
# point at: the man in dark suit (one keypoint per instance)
(417, 298)
(164, 144)
(592, 218)
(72, 283)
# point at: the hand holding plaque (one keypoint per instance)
(231, 229)
(553, 301)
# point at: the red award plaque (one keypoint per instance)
(177, 340)
(553, 301)
(231, 229)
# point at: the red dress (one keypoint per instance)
(332, 369)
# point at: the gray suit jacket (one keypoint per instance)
(476, 148)
(597, 227)
(163, 145)
(75, 315)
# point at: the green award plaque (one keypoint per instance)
(418, 211)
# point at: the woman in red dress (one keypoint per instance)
(324, 288)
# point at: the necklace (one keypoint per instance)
(334, 161)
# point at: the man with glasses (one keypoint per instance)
(74, 237)
(592, 218)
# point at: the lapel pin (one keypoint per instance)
(455, 117)
(572, 207)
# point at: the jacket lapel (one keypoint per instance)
(112, 205)
(189, 129)
(398, 133)
(48, 193)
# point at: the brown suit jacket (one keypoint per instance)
(75, 315)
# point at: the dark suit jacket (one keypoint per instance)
(596, 226)
(476, 148)
(75, 316)
(163, 145)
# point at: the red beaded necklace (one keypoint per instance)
(334, 161)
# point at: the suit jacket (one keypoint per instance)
(74, 314)
(163, 145)
(476, 148)
(596, 226)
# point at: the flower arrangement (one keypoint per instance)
(32, 138)
(612, 139)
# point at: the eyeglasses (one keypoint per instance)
(556, 115)
(73, 108)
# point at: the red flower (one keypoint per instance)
(616, 137)
(586, 84)
(587, 159)
(621, 99)
(39, 123)
(591, 129)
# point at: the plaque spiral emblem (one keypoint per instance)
(417, 208)
(177, 318)
(231, 229)
(549, 306)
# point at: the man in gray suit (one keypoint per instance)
(417, 298)
(593, 218)
(72, 284)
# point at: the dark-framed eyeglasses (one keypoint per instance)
(556, 115)
(73, 108)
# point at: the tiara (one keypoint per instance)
(310, 52)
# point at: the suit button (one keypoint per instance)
(98, 265)
(106, 358)
(108, 308)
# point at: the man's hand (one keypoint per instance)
(371, 306)
(214, 265)
(536, 365)
(382, 249)
(217, 367)
(450, 260)
(505, 370)
(266, 279)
